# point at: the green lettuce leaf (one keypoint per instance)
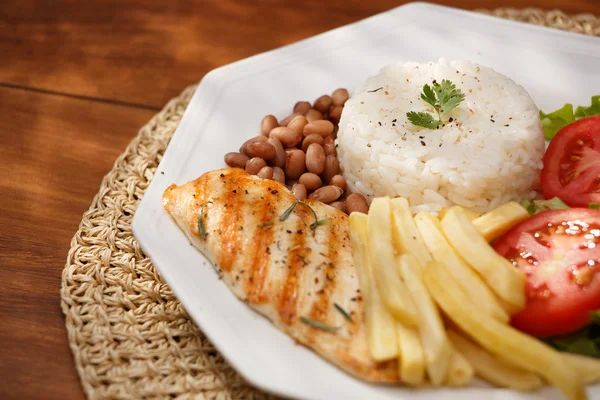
(529, 206)
(543, 205)
(594, 109)
(553, 204)
(594, 206)
(556, 120)
(585, 341)
(585, 347)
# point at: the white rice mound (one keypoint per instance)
(489, 154)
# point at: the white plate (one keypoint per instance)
(554, 67)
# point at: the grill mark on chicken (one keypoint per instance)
(261, 240)
(229, 225)
(296, 258)
(200, 196)
(322, 306)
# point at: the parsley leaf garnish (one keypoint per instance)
(422, 119)
(443, 97)
(428, 96)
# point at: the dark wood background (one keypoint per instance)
(78, 78)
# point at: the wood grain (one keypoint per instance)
(77, 80)
(55, 151)
(144, 52)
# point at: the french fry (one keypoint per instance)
(432, 333)
(497, 222)
(473, 286)
(460, 372)
(381, 326)
(500, 339)
(510, 309)
(492, 369)
(407, 237)
(588, 368)
(411, 363)
(472, 215)
(500, 275)
(381, 255)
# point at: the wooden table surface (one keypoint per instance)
(77, 80)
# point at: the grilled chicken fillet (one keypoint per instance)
(286, 269)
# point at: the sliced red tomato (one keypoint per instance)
(572, 164)
(559, 252)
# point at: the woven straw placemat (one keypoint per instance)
(129, 335)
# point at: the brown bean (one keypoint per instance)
(357, 203)
(314, 115)
(339, 181)
(254, 165)
(265, 173)
(287, 136)
(340, 205)
(244, 146)
(299, 191)
(329, 145)
(326, 194)
(329, 149)
(315, 158)
(323, 128)
(278, 175)
(302, 107)
(290, 183)
(310, 181)
(279, 159)
(323, 103)
(329, 139)
(288, 119)
(294, 164)
(332, 168)
(266, 151)
(335, 114)
(268, 123)
(340, 96)
(236, 160)
(310, 139)
(298, 124)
